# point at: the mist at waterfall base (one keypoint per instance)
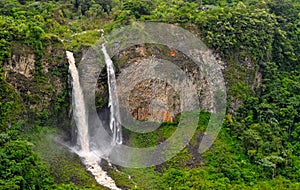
(80, 112)
(91, 158)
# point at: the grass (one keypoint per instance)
(65, 167)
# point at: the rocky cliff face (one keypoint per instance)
(40, 80)
(22, 64)
(154, 99)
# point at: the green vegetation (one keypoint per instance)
(53, 168)
(258, 146)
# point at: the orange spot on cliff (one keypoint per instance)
(172, 53)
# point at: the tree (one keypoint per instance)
(137, 8)
(20, 168)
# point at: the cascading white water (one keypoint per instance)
(89, 158)
(113, 104)
(78, 107)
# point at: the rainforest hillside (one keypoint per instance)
(258, 42)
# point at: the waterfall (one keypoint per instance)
(89, 158)
(78, 106)
(113, 104)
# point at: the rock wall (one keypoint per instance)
(22, 64)
(39, 80)
(153, 99)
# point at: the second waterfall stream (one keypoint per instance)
(113, 104)
(91, 160)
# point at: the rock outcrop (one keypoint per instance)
(154, 99)
(22, 64)
(38, 80)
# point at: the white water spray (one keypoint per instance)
(90, 159)
(78, 106)
(113, 104)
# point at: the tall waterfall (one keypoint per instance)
(78, 106)
(89, 158)
(113, 104)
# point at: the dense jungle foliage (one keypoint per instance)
(259, 144)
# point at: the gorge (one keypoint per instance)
(256, 46)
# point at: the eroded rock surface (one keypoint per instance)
(154, 99)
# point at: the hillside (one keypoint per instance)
(256, 44)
